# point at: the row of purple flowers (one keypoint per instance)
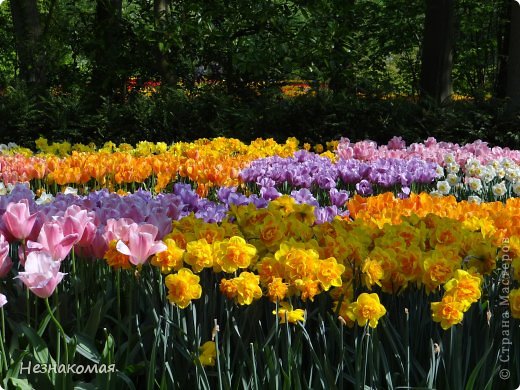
(308, 170)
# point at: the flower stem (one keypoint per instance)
(2, 341)
(77, 298)
(60, 329)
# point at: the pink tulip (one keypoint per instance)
(78, 221)
(41, 274)
(344, 150)
(396, 143)
(365, 150)
(3, 300)
(141, 244)
(18, 220)
(98, 246)
(5, 261)
(430, 142)
(118, 229)
(53, 240)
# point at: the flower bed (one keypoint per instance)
(284, 275)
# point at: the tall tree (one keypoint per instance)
(437, 50)
(503, 35)
(161, 10)
(105, 80)
(513, 67)
(28, 35)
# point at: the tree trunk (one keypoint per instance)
(503, 32)
(160, 9)
(28, 34)
(105, 80)
(437, 50)
(513, 66)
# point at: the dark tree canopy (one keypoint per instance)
(75, 68)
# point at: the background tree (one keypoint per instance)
(227, 61)
(108, 50)
(437, 50)
(513, 70)
(503, 34)
(28, 37)
(161, 10)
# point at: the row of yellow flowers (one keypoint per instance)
(280, 253)
(209, 163)
(495, 220)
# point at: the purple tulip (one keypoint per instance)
(364, 188)
(338, 198)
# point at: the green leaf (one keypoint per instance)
(40, 350)
(108, 350)
(84, 386)
(150, 383)
(92, 325)
(43, 324)
(132, 369)
(14, 368)
(86, 348)
(470, 384)
(21, 384)
(126, 379)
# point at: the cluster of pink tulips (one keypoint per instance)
(135, 241)
(429, 150)
(44, 244)
(41, 258)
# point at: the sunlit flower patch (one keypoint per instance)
(199, 249)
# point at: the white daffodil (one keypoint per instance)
(511, 175)
(439, 171)
(44, 198)
(476, 171)
(499, 189)
(494, 163)
(443, 187)
(507, 163)
(449, 158)
(474, 199)
(452, 179)
(471, 163)
(70, 190)
(453, 168)
(475, 184)
(488, 174)
(516, 188)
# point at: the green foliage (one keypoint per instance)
(125, 319)
(172, 115)
(476, 63)
(7, 49)
(367, 52)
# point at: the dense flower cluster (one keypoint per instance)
(430, 150)
(281, 253)
(276, 224)
(206, 162)
(460, 292)
(494, 219)
(309, 170)
(473, 171)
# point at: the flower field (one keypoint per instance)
(216, 264)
